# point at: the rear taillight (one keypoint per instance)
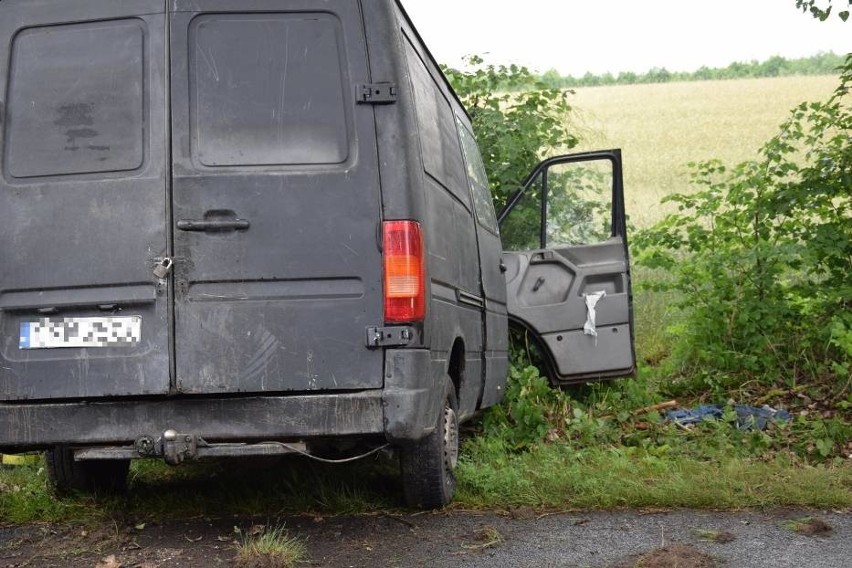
(405, 273)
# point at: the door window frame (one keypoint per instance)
(618, 213)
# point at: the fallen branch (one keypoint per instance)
(654, 407)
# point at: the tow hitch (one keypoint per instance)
(179, 447)
(175, 448)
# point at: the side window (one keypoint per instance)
(76, 99)
(577, 207)
(267, 89)
(478, 180)
(579, 204)
(439, 140)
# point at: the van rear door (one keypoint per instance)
(276, 202)
(82, 199)
(567, 266)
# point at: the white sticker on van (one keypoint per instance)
(52, 333)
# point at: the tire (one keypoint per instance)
(428, 465)
(91, 476)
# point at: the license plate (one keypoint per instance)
(52, 333)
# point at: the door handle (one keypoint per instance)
(204, 225)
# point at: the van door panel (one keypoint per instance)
(82, 199)
(276, 199)
(568, 227)
(547, 291)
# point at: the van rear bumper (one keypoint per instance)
(32, 426)
(406, 409)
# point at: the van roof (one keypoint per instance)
(432, 57)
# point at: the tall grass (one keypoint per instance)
(555, 476)
(661, 128)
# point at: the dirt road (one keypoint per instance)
(521, 538)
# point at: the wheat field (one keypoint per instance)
(663, 127)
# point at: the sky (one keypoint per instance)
(599, 36)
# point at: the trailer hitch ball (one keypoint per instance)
(179, 447)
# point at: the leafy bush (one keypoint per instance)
(531, 409)
(515, 130)
(762, 254)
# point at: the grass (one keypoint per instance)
(679, 470)
(486, 537)
(246, 487)
(558, 477)
(808, 526)
(269, 547)
(719, 537)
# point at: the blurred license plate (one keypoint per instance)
(52, 333)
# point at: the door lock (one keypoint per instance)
(163, 267)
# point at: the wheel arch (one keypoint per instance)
(456, 365)
(546, 362)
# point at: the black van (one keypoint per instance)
(263, 227)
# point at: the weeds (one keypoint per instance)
(719, 537)
(486, 537)
(608, 445)
(808, 526)
(268, 547)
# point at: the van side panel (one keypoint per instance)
(83, 149)
(457, 305)
(493, 279)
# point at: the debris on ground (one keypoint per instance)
(719, 537)
(810, 526)
(485, 537)
(673, 556)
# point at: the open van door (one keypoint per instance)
(567, 266)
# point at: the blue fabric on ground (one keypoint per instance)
(753, 418)
(695, 415)
(748, 417)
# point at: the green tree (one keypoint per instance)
(517, 118)
(552, 79)
(822, 9)
(773, 67)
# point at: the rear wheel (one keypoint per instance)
(90, 476)
(428, 465)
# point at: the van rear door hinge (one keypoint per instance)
(376, 93)
(396, 336)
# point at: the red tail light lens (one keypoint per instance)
(405, 274)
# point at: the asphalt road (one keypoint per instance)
(522, 538)
(759, 539)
